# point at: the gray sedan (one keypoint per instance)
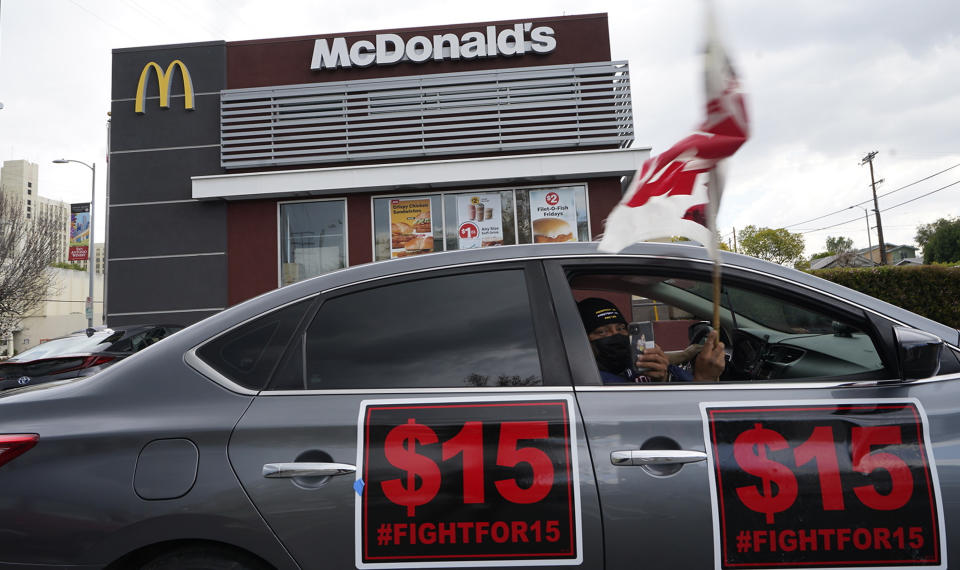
(447, 411)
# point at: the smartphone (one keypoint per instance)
(641, 337)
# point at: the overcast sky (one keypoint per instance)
(827, 82)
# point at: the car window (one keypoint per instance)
(248, 354)
(767, 336)
(77, 344)
(132, 343)
(468, 330)
(170, 329)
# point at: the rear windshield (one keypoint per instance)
(78, 344)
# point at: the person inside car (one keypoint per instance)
(607, 330)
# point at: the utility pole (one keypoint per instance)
(866, 218)
(876, 208)
(735, 240)
(869, 245)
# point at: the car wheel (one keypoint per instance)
(205, 558)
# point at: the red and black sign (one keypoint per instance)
(474, 482)
(824, 485)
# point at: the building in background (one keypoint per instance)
(846, 259)
(62, 312)
(98, 259)
(895, 253)
(19, 180)
(239, 167)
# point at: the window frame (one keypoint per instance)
(546, 339)
(583, 365)
(346, 234)
(194, 360)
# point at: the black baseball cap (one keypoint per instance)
(596, 312)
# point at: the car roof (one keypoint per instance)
(128, 329)
(440, 260)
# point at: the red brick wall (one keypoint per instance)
(359, 229)
(604, 193)
(251, 249)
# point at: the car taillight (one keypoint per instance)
(16, 444)
(96, 361)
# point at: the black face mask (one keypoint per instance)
(613, 353)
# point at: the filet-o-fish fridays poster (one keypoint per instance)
(553, 215)
(479, 223)
(411, 227)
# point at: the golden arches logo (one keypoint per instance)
(165, 79)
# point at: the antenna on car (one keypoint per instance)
(90, 332)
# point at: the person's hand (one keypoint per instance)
(655, 362)
(710, 362)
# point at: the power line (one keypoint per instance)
(870, 200)
(912, 183)
(885, 209)
(857, 219)
(122, 31)
(921, 196)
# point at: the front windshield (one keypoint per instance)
(78, 344)
(774, 314)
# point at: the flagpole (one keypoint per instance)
(714, 188)
(716, 294)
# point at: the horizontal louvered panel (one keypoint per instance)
(318, 133)
(367, 145)
(471, 149)
(364, 110)
(585, 105)
(452, 93)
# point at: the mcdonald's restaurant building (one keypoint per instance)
(239, 167)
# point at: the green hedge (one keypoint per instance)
(929, 290)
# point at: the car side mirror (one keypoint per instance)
(918, 352)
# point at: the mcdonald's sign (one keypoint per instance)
(165, 79)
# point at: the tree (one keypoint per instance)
(776, 245)
(839, 245)
(28, 246)
(842, 247)
(924, 231)
(940, 240)
(722, 245)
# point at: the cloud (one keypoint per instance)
(827, 82)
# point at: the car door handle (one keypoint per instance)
(277, 470)
(656, 457)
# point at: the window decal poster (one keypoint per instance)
(553, 215)
(469, 481)
(823, 484)
(411, 227)
(478, 221)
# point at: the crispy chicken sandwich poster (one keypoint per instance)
(411, 227)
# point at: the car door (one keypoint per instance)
(772, 468)
(424, 421)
